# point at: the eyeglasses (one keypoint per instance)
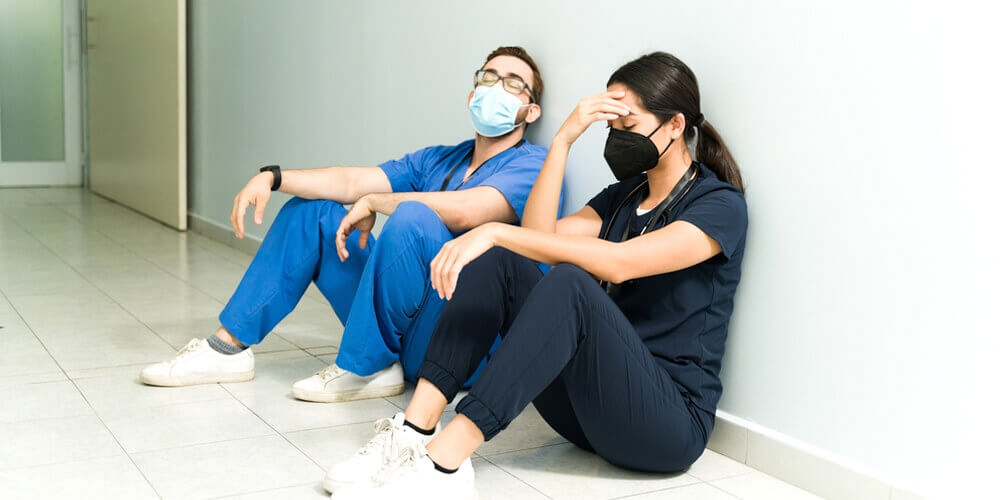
(511, 84)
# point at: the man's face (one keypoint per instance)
(510, 66)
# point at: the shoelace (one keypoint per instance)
(404, 463)
(329, 373)
(383, 434)
(191, 347)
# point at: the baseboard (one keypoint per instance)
(758, 447)
(222, 234)
(798, 463)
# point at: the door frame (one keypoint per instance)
(68, 172)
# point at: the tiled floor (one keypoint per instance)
(91, 291)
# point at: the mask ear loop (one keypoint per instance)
(525, 120)
(671, 143)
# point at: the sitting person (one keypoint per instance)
(380, 290)
(619, 346)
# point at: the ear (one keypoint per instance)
(534, 113)
(676, 126)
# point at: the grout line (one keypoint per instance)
(165, 270)
(102, 291)
(696, 483)
(511, 474)
(713, 485)
(84, 396)
(530, 448)
(311, 483)
(272, 428)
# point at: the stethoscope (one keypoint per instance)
(676, 194)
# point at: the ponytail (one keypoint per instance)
(712, 151)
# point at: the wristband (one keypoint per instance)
(276, 171)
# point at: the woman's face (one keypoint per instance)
(641, 121)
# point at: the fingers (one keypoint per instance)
(436, 266)
(609, 106)
(241, 212)
(341, 239)
(449, 273)
(363, 239)
(258, 211)
(232, 214)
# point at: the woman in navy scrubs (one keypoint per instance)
(619, 346)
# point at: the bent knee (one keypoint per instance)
(568, 273)
(298, 205)
(410, 217)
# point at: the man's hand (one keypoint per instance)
(362, 218)
(257, 192)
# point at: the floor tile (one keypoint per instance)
(227, 468)
(118, 390)
(757, 485)
(269, 395)
(171, 426)
(492, 483)
(99, 479)
(712, 466)
(55, 440)
(565, 471)
(22, 354)
(699, 491)
(39, 400)
(313, 490)
(329, 445)
(528, 430)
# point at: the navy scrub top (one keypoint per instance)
(683, 316)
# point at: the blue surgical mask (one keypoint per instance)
(494, 110)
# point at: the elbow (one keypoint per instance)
(614, 276)
(459, 221)
(616, 270)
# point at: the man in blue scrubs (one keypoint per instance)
(380, 289)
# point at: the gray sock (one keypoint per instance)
(223, 347)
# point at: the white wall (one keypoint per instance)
(865, 324)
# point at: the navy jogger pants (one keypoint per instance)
(569, 349)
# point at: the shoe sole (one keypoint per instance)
(174, 381)
(326, 397)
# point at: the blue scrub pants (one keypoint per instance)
(570, 350)
(381, 294)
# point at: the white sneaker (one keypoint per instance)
(333, 383)
(412, 476)
(391, 436)
(198, 363)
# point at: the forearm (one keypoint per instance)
(340, 184)
(458, 210)
(542, 207)
(596, 256)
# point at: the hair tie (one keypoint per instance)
(697, 120)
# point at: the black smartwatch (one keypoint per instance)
(276, 170)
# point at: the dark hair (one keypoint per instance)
(666, 86)
(536, 76)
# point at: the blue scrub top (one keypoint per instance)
(683, 316)
(512, 172)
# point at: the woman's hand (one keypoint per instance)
(362, 218)
(600, 107)
(458, 252)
